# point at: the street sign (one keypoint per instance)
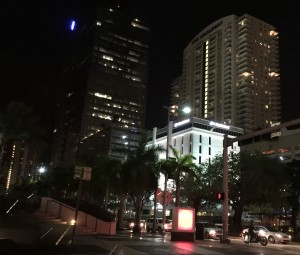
(78, 172)
(83, 173)
(160, 197)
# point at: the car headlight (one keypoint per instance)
(142, 224)
(131, 224)
(212, 232)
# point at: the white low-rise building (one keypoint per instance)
(199, 137)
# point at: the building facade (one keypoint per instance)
(106, 76)
(200, 138)
(283, 144)
(230, 74)
(19, 163)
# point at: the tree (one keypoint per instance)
(182, 164)
(104, 178)
(138, 175)
(193, 188)
(253, 179)
(293, 190)
(60, 182)
(202, 187)
(259, 182)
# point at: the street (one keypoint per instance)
(155, 245)
(41, 235)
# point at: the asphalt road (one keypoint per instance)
(36, 234)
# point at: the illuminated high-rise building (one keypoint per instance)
(231, 75)
(106, 73)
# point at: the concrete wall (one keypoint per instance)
(64, 212)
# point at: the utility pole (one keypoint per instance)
(80, 173)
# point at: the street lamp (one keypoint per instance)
(42, 170)
(169, 133)
(186, 110)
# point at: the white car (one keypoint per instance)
(273, 236)
(213, 233)
(149, 224)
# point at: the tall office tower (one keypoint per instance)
(106, 73)
(230, 73)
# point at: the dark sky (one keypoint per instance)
(33, 41)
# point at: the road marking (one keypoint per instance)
(46, 233)
(62, 236)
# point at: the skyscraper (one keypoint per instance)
(106, 74)
(231, 75)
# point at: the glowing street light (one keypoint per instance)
(42, 170)
(187, 109)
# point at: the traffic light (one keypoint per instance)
(220, 195)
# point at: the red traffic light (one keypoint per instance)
(220, 195)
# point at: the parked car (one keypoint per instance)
(159, 224)
(212, 232)
(273, 236)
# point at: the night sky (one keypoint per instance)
(34, 39)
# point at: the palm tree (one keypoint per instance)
(18, 122)
(104, 178)
(138, 175)
(60, 182)
(181, 164)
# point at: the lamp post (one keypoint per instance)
(225, 190)
(186, 110)
(169, 133)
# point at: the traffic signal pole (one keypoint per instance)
(229, 142)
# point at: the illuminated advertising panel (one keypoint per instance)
(183, 219)
(183, 224)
